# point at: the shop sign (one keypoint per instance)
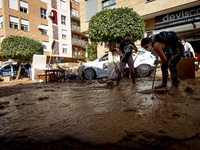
(179, 17)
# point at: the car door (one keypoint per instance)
(102, 66)
(7, 70)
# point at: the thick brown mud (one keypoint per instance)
(93, 115)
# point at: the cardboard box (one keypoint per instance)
(186, 68)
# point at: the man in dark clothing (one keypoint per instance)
(125, 50)
(170, 50)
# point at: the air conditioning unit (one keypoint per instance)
(50, 14)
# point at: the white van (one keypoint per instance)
(98, 69)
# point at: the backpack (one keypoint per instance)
(168, 37)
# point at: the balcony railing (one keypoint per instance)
(75, 28)
(78, 42)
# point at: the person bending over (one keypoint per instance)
(170, 51)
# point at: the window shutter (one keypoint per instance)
(1, 19)
(64, 32)
(25, 22)
(0, 4)
(24, 4)
(14, 19)
(13, 4)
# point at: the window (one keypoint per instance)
(24, 25)
(108, 4)
(44, 30)
(43, 13)
(24, 7)
(2, 37)
(0, 4)
(74, 12)
(13, 4)
(1, 22)
(45, 1)
(91, 8)
(64, 34)
(63, 5)
(45, 45)
(65, 47)
(104, 58)
(63, 20)
(14, 22)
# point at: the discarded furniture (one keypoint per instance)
(55, 73)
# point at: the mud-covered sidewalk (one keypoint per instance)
(92, 115)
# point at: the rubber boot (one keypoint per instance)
(164, 82)
(133, 79)
(175, 82)
(118, 79)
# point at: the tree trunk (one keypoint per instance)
(19, 70)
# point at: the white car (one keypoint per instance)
(97, 68)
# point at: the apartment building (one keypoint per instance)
(181, 16)
(21, 18)
(79, 39)
(45, 21)
(59, 27)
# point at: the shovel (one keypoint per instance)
(154, 73)
(154, 90)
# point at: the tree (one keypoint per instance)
(22, 48)
(110, 25)
(91, 50)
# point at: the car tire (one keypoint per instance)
(143, 70)
(89, 73)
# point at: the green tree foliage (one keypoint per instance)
(18, 47)
(22, 48)
(91, 50)
(110, 25)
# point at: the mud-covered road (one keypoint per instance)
(91, 115)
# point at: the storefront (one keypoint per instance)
(186, 23)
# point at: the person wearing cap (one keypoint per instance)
(125, 50)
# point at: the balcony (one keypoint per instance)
(74, 15)
(75, 28)
(78, 42)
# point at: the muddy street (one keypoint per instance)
(92, 115)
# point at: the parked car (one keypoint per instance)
(10, 69)
(97, 68)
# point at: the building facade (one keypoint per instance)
(21, 18)
(45, 21)
(79, 39)
(181, 16)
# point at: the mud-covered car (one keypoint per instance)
(98, 69)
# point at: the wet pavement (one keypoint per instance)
(94, 114)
